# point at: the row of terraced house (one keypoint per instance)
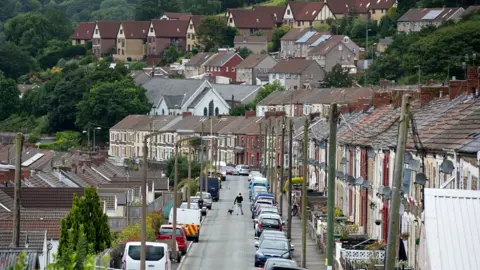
(443, 144)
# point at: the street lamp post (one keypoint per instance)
(88, 137)
(97, 128)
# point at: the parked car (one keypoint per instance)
(241, 170)
(268, 222)
(270, 234)
(272, 248)
(207, 199)
(165, 232)
(229, 170)
(265, 210)
(256, 190)
(280, 264)
(254, 174)
(254, 205)
(157, 255)
(195, 200)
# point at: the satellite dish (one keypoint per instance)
(408, 158)
(359, 181)
(344, 161)
(350, 179)
(447, 166)
(371, 153)
(387, 192)
(365, 184)
(402, 209)
(414, 165)
(322, 165)
(340, 174)
(420, 179)
(322, 145)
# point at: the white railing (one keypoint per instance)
(351, 255)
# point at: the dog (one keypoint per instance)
(230, 211)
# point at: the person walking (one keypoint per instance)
(238, 201)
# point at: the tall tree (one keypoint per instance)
(244, 52)
(267, 90)
(277, 34)
(10, 96)
(146, 10)
(337, 77)
(15, 62)
(212, 31)
(87, 215)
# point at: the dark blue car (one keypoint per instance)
(272, 248)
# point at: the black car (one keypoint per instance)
(272, 248)
(277, 264)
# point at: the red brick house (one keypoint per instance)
(224, 65)
(105, 38)
(165, 33)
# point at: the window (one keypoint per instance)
(233, 69)
(163, 111)
(188, 47)
(121, 32)
(205, 111)
(373, 11)
(230, 20)
(153, 253)
(310, 23)
(210, 108)
(191, 26)
(288, 11)
(118, 51)
(151, 29)
(298, 23)
(226, 69)
(216, 111)
(193, 36)
(188, 36)
(96, 31)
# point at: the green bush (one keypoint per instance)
(65, 140)
(193, 186)
(136, 65)
(295, 181)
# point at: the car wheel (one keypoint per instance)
(255, 265)
(195, 240)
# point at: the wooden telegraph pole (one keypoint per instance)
(18, 187)
(397, 185)
(304, 194)
(290, 175)
(332, 163)
(282, 163)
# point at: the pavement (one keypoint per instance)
(226, 241)
(315, 260)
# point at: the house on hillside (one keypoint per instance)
(333, 51)
(248, 21)
(275, 12)
(417, 18)
(176, 16)
(165, 33)
(296, 73)
(371, 9)
(307, 14)
(83, 33)
(131, 40)
(192, 32)
(177, 96)
(222, 66)
(196, 65)
(254, 69)
(257, 44)
(287, 42)
(104, 40)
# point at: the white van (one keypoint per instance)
(157, 256)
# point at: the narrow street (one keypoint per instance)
(226, 241)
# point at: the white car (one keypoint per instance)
(254, 174)
(241, 170)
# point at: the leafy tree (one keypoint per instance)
(86, 215)
(267, 90)
(244, 52)
(114, 10)
(110, 102)
(133, 232)
(182, 167)
(202, 7)
(277, 34)
(212, 31)
(171, 54)
(14, 62)
(337, 77)
(146, 10)
(240, 109)
(10, 98)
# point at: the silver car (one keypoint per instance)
(207, 199)
(194, 201)
(242, 170)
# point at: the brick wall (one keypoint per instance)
(251, 114)
(457, 87)
(274, 114)
(429, 93)
(9, 175)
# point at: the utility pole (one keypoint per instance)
(175, 199)
(143, 250)
(290, 175)
(18, 186)
(270, 159)
(201, 165)
(282, 163)
(304, 194)
(189, 181)
(274, 161)
(397, 185)
(332, 162)
(265, 150)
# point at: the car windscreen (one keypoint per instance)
(193, 205)
(154, 253)
(245, 167)
(278, 263)
(169, 231)
(207, 196)
(272, 244)
(270, 221)
(259, 184)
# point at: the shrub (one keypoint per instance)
(295, 181)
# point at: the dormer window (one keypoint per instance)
(121, 32)
(288, 11)
(151, 29)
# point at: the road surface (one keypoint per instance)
(226, 241)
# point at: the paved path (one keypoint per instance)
(315, 260)
(226, 241)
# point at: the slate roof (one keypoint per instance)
(135, 29)
(196, 20)
(274, 98)
(157, 87)
(292, 66)
(38, 197)
(199, 59)
(252, 60)
(294, 34)
(142, 122)
(177, 16)
(170, 28)
(250, 39)
(174, 101)
(276, 12)
(418, 14)
(237, 125)
(35, 239)
(220, 59)
(6, 201)
(326, 46)
(248, 18)
(84, 31)
(108, 29)
(9, 258)
(188, 122)
(241, 93)
(306, 11)
(471, 147)
(218, 123)
(52, 226)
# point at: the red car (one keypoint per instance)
(165, 232)
(229, 170)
